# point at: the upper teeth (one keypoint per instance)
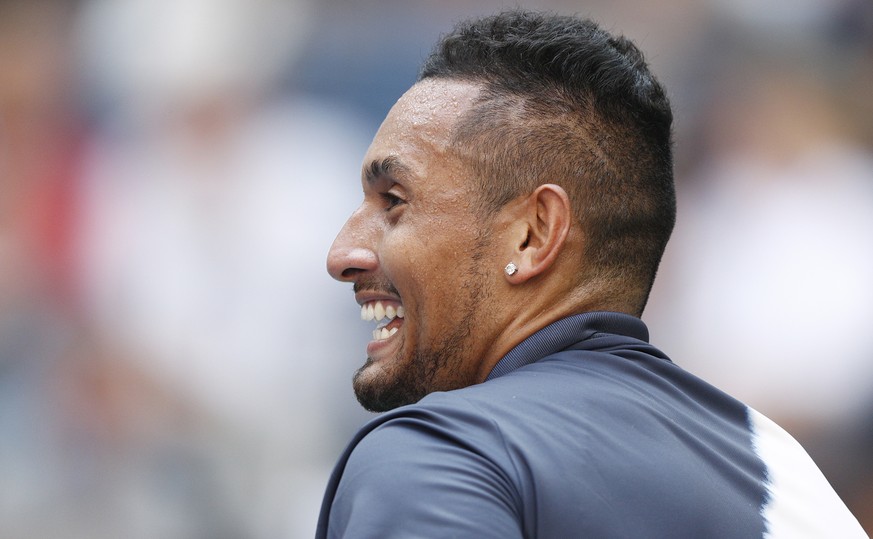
(383, 314)
(376, 310)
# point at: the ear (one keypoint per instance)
(542, 231)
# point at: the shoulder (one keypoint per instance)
(446, 428)
(440, 464)
(494, 432)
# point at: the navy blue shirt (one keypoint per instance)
(582, 430)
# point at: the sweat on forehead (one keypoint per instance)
(435, 100)
(416, 134)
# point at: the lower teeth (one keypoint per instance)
(380, 334)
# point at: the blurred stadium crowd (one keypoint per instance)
(175, 361)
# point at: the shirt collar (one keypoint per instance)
(565, 332)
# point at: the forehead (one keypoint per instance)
(418, 129)
(434, 102)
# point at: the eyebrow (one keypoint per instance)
(389, 167)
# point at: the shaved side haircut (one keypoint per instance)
(565, 102)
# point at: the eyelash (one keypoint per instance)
(391, 201)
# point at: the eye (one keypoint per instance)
(391, 200)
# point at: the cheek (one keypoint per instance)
(425, 249)
(413, 267)
(426, 264)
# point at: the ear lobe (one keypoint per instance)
(548, 218)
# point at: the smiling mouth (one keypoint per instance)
(387, 315)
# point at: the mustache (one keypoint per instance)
(375, 284)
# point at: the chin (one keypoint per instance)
(379, 389)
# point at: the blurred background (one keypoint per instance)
(175, 361)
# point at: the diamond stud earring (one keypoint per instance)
(510, 269)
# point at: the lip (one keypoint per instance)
(367, 296)
(386, 348)
(377, 350)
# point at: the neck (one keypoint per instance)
(533, 307)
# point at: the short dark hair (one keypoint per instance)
(565, 102)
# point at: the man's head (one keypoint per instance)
(539, 140)
(565, 102)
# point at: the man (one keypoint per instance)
(517, 200)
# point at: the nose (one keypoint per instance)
(351, 254)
